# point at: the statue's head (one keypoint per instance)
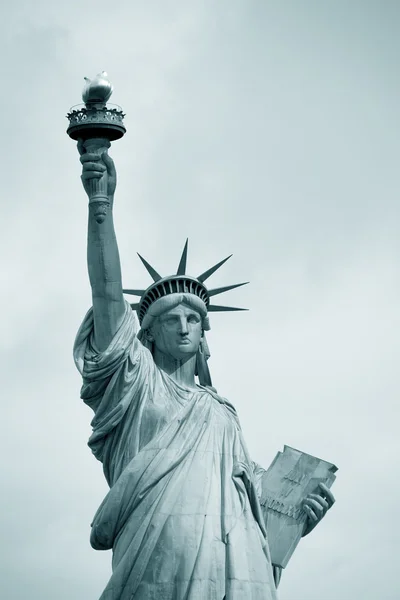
(177, 332)
(173, 311)
(175, 325)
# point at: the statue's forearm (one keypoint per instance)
(103, 257)
(105, 277)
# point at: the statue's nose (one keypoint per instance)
(183, 329)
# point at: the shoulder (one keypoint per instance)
(223, 401)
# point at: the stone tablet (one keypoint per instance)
(284, 486)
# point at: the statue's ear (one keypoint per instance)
(149, 335)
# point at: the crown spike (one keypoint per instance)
(215, 308)
(134, 292)
(212, 270)
(220, 290)
(182, 263)
(153, 273)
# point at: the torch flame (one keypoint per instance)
(98, 89)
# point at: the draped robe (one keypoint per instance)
(182, 514)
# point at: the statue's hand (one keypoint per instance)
(316, 506)
(96, 166)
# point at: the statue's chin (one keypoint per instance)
(182, 355)
(183, 352)
(177, 352)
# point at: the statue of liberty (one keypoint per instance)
(182, 516)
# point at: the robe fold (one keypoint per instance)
(182, 515)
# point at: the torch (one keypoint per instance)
(97, 124)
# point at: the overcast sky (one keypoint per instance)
(269, 129)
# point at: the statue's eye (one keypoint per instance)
(193, 319)
(170, 320)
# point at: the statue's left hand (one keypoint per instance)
(316, 506)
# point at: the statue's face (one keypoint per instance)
(177, 332)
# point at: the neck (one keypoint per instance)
(181, 371)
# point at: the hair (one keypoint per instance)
(169, 302)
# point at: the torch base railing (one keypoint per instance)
(88, 121)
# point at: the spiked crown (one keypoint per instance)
(180, 283)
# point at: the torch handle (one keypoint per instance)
(98, 192)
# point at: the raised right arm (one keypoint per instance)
(102, 252)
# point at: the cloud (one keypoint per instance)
(265, 130)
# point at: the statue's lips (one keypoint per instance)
(183, 342)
